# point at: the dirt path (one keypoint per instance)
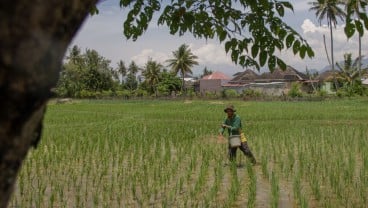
(263, 197)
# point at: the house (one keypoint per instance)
(365, 82)
(274, 83)
(247, 76)
(326, 80)
(213, 82)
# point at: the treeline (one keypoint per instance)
(90, 75)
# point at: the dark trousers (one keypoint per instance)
(245, 149)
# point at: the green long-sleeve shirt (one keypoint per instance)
(235, 125)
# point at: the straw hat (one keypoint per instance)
(230, 107)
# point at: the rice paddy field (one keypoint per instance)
(167, 154)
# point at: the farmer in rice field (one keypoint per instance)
(233, 125)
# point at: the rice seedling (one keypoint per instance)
(165, 154)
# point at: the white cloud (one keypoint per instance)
(209, 54)
(147, 54)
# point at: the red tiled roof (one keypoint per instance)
(217, 75)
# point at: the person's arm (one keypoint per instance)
(236, 125)
(222, 129)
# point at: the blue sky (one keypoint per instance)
(104, 33)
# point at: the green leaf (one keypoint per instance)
(227, 46)
(287, 5)
(363, 16)
(263, 58)
(188, 19)
(349, 29)
(281, 64)
(242, 60)
(282, 33)
(222, 35)
(272, 63)
(359, 27)
(280, 9)
(310, 52)
(302, 51)
(254, 50)
(296, 46)
(289, 40)
(234, 56)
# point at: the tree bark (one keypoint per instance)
(360, 56)
(34, 36)
(332, 57)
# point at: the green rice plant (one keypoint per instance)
(252, 188)
(159, 153)
(264, 164)
(315, 186)
(275, 190)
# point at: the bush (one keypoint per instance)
(124, 94)
(191, 93)
(295, 91)
(211, 95)
(163, 90)
(229, 93)
(86, 94)
(107, 94)
(341, 93)
(251, 93)
(322, 93)
(140, 93)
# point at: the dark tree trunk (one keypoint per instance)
(34, 36)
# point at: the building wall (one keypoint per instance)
(210, 85)
(273, 89)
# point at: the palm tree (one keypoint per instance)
(330, 10)
(133, 68)
(122, 69)
(349, 71)
(182, 62)
(355, 7)
(151, 74)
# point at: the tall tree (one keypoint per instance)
(92, 72)
(122, 70)
(182, 62)
(331, 11)
(75, 55)
(355, 12)
(151, 73)
(206, 72)
(133, 68)
(35, 36)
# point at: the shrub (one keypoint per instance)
(124, 94)
(107, 94)
(140, 93)
(211, 95)
(322, 93)
(341, 93)
(251, 93)
(86, 94)
(295, 91)
(163, 90)
(229, 93)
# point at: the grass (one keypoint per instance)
(166, 154)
